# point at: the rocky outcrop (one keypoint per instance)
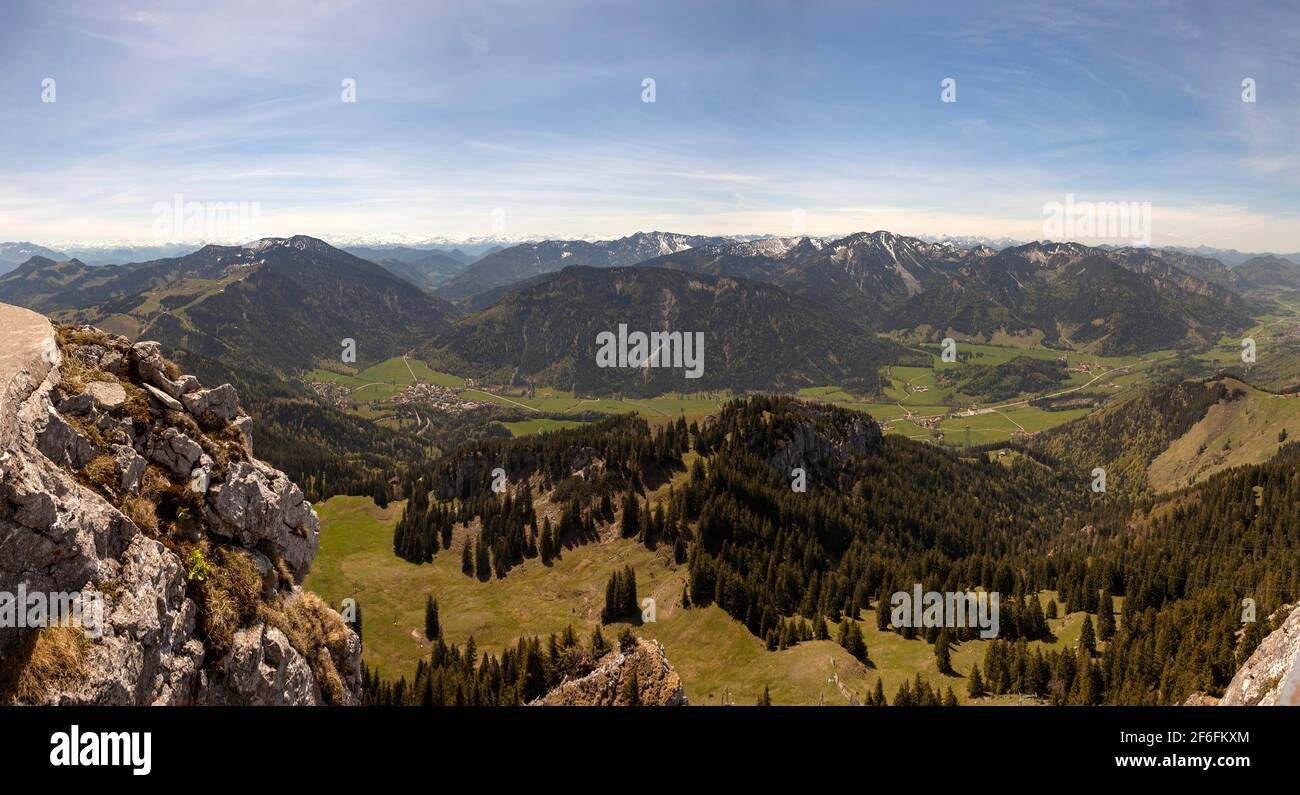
(123, 480)
(1271, 676)
(637, 676)
(822, 446)
(258, 506)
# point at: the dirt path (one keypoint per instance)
(414, 380)
(506, 399)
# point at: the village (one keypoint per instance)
(439, 398)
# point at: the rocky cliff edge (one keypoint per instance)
(127, 482)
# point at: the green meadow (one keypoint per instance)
(717, 658)
(906, 391)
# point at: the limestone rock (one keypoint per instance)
(257, 504)
(109, 396)
(222, 401)
(113, 363)
(824, 449)
(657, 684)
(1271, 677)
(176, 451)
(63, 444)
(263, 669)
(58, 535)
(164, 399)
(76, 405)
(129, 466)
(150, 366)
(147, 653)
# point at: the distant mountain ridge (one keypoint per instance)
(13, 255)
(1269, 273)
(533, 259)
(1114, 300)
(279, 304)
(424, 268)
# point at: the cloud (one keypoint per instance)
(536, 108)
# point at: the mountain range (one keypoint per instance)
(283, 304)
(756, 336)
(1111, 300)
(14, 254)
(425, 268)
(533, 259)
(1268, 274)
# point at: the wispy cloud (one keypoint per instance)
(535, 109)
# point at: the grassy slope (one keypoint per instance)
(1231, 434)
(715, 655)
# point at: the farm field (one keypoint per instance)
(915, 405)
(527, 427)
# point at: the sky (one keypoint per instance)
(529, 119)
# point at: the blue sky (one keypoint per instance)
(534, 110)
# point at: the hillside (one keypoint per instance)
(426, 272)
(1077, 297)
(756, 336)
(1268, 274)
(257, 316)
(989, 383)
(1125, 436)
(281, 304)
(718, 658)
(852, 548)
(1247, 430)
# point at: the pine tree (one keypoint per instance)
(630, 607)
(851, 640)
(547, 551)
(356, 618)
(975, 685)
(903, 698)
(1088, 637)
(764, 700)
(620, 597)
(631, 515)
(482, 565)
(557, 549)
(432, 628)
(631, 696)
(599, 646)
(1105, 615)
(466, 561)
(942, 654)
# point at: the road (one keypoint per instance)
(506, 399)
